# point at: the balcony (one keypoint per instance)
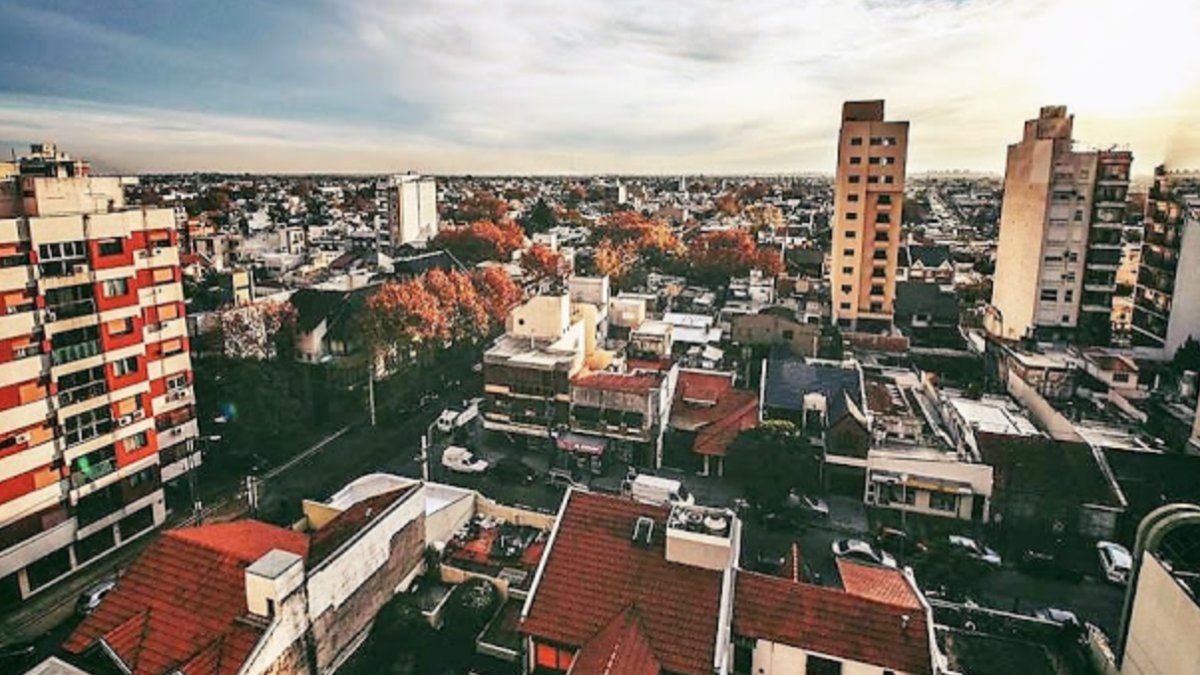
(91, 472)
(67, 354)
(70, 310)
(82, 393)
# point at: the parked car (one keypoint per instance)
(1046, 564)
(976, 550)
(457, 418)
(512, 470)
(814, 506)
(93, 595)
(1060, 616)
(898, 542)
(1115, 561)
(658, 490)
(857, 549)
(460, 459)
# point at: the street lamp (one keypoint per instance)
(192, 465)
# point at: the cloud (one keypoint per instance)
(628, 86)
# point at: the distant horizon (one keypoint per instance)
(597, 87)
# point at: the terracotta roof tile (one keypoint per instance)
(620, 649)
(873, 582)
(618, 381)
(716, 424)
(182, 604)
(831, 622)
(593, 572)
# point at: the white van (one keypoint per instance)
(657, 490)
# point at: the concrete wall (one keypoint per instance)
(1185, 301)
(779, 659)
(545, 317)
(1163, 626)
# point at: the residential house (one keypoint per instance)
(707, 414)
(248, 597)
(927, 314)
(772, 327)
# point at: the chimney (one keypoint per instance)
(271, 579)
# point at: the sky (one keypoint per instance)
(586, 86)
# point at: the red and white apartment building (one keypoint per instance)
(96, 402)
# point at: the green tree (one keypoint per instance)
(1187, 357)
(770, 460)
(541, 218)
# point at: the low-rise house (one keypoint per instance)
(926, 264)
(927, 314)
(770, 327)
(707, 414)
(625, 414)
(928, 482)
(1050, 487)
(527, 371)
(642, 589)
(248, 597)
(826, 400)
(325, 322)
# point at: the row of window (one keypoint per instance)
(873, 160)
(887, 180)
(875, 140)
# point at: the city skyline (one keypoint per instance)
(611, 88)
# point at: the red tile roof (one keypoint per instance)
(728, 410)
(640, 382)
(593, 572)
(885, 584)
(831, 622)
(620, 649)
(182, 604)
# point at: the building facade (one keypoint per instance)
(1060, 235)
(97, 409)
(1166, 308)
(412, 209)
(868, 203)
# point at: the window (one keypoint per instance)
(847, 270)
(845, 305)
(1049, 295)
(110, 247)
(872, 179)
(847, 288)
(850, 234)
(552, 658)
(177, 382)
(789, 334)
(125, 366)
(66, 250)
(136, 442)
(856, 140)
(856, 160)
(889, 179)
(115, 288)
(943, 501)
(852, 197)
(1068, 295)
(1078, 214)
(883, 218)
(1120, 377)
(851, 215)
(87, 425)
(854, 178)
(848, 252)
(120, 326)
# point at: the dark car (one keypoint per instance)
(512, 470)
(898, 542)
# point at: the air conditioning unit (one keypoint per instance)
(49, 315)
(21, 438)
(125, 420)
(81, 268)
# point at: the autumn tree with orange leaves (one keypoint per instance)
(478, 206)
(540, 263)
(714, 257)
(628, 244)
(481, 240)
(417, 316)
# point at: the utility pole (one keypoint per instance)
(425, 457)
(252, 494)
(371, 387)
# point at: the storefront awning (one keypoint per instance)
(588, 445)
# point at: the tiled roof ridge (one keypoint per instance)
(880, 604)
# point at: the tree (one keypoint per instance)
(479, 206)
(728, 204)
(770, 460)
(541, 218)
(1187, 357)
(497, 292)
(259, 331)
(628, 243)
(481, 240)
(541, 262)
(714, 257)
(402, 316)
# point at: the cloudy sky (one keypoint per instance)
(452, 86)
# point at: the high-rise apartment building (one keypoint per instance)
(96, 401)
(1060, 235)
(1166, 302)
(868, 203)
(412, 209)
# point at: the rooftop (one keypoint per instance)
(594, 573)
